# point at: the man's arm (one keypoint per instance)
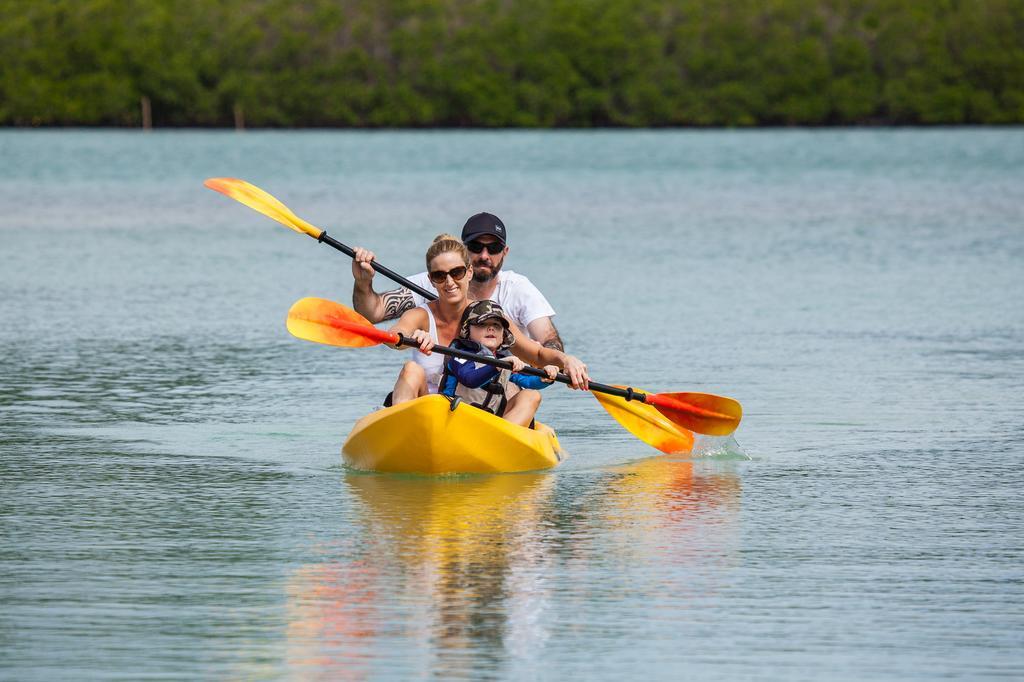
(528, 303)
(386, 306)
(367, 302)
(533, 352)
(543, 330)
(379, 307)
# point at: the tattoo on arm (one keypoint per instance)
(554, 341)
(396, 302)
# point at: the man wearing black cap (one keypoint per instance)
(486, 238)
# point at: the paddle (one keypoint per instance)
(327, 322)
(267, 204)
(640, 419)
(647, 424)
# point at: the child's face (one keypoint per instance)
(488, 334)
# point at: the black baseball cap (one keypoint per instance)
(481, 224)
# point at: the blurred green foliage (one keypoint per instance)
(512, 62)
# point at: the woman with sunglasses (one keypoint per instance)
(486, 237)
(437, 322)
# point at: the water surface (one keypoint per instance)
(173, 502)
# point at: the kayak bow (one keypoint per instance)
(428, 436)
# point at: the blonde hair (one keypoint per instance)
(445, 243)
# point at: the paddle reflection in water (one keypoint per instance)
(467, 575)
(660, 502)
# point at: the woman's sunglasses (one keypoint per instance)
(439, 276)
(493, 248)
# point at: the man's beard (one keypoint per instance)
(481, 277)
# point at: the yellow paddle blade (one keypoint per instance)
(258, 200)
(327, 322)
(713, 415)
(647, 424)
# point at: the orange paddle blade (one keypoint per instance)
(323, 321)
(258, 200)
(713, 415)
(647, 424)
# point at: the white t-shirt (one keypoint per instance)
(516, 294)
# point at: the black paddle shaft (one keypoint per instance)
(627, 393)
(387, 272)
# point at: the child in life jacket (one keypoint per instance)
(484, 330)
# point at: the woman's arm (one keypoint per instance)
(537, 355)
(414, 324)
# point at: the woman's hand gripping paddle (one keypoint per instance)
(327, 322)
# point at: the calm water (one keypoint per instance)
(173, 502)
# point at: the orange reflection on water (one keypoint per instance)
(330, 607)
(462, 571)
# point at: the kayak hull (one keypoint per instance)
(426, 436)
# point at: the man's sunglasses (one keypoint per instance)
(439, 276)
(493, 248)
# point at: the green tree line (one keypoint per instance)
(497, 63)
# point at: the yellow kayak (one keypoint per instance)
(427, 436)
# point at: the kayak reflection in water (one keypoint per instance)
(484, 330)
(438, 322)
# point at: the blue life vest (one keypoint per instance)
(490, 395)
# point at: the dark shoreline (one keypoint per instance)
(521, 64)
(471, 129)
